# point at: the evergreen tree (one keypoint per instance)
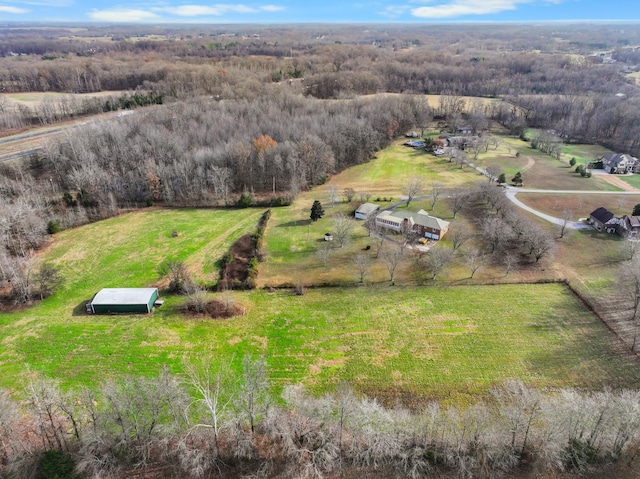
(636, 210)
(517, 179)
(317, 211)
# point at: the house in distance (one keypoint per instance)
(419, 222)
(124, 301)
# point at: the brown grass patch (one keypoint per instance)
(219, 310)
(580, 205)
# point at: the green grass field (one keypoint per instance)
(583, 153)
(389, 171)
(119, 252)
(633, 180)
(431, 342)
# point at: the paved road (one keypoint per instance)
(12, 143)
(573, 225)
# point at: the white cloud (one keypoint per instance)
(216, 10)
(122, 15)
(271, 8)
(395, 11)
(458, 8)
(15, 10)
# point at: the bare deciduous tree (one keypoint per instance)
(493, 171)
(412, 188)
(509, 260)
(629, 284)
(474, 260)
(391, 258)
(457, 201)
(253, 398)
(334, 195)
(436, 191)
(324, 253)
(362, 263)
(437, 259)
(540, 244)
(565, 218)
(214, 386)
(342, 227)
(630, 248)
(459, 234)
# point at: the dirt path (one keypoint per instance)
(616, 181)
(530, 163)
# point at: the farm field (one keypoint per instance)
(392, 342)
(445, 343)
(119, 252)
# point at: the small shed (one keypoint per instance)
(365, 210)
(123, 300)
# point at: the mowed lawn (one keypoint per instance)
(539, 170)
(446, 343)
(386, 175)
(57, 337)
(580, 206)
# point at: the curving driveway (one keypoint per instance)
(576, 225)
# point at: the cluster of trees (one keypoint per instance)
(609, 117)
(506, 232)
(194, 153)
(207, 422)
(203, 152)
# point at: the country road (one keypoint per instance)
(26, 143)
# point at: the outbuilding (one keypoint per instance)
(365, 210)
(123, 300)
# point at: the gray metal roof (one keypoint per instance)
(367, 208)
(110, 296)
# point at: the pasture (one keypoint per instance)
(392, 342)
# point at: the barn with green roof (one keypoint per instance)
(123, 300)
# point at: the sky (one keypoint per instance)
(317, 11)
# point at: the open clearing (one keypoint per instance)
(408, 343)
(429, 342)
(579, 206)
(33, 99)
